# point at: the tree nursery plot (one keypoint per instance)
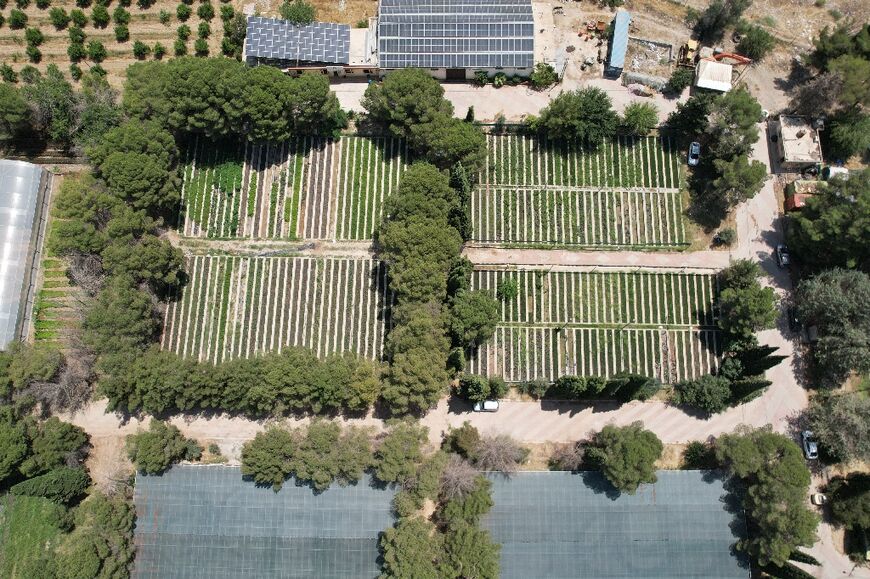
(581, 217)
(623, 162)
(623, 193)
(307, 188)
(600, 323)
(240, 306)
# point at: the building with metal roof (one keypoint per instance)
(618, 44)
(23, 195)
(208, 521)
(456, 38)
(563, 524)
(284, 44)
(712, 75)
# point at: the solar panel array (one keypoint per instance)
(208, 522)
(482, 34)
(562, 524)
(273, 41)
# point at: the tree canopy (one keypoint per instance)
(640, 118)
(776, 475)
(585, 114)
(626, 455)
(745, 306)
(850, 500)
(399, 453)
(842, 425)
(154, 450)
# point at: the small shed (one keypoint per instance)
(712, 75)
(618, 44)
(797, 201)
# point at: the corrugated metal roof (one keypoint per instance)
(456, 34)
(619, 42)
(271, 39)
(713, 75)
(22, 189)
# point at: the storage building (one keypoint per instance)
(797, 142)
(284, 44)
(23, 195)
(618, 44)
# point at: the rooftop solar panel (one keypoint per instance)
(456, 34)
(270, 39)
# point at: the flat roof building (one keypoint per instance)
(797, 142)
(23, 192)
(451, 37)
(712, 75)
(618, 44)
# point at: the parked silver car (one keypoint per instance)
(694, 153)
(811, 448)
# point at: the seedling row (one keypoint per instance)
(241, 306)
(523, 353)
(582, 217)
(306, 188)
(522, 161)
(603, 297)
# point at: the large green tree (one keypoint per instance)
(745, 306)
(777, 479)
(626, 455)
(53, 444)
(739, 179)
(842, 425)
(120, 319)
(399, 452)
(14, 112)
(708, 393)
(473, 317)
(154, 450)
(406, 98)
(640, 118)
(585, 114)
(266, 458)
(850, 500)
(411, 549)
(833, 227)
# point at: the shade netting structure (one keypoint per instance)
(208, 522)
(561, 524)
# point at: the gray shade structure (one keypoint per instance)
(484, 34)
(282, 43)
(560, 525)
(208, 522)
(23, 192)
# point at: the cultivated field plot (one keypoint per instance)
(600, 323)
(623, 162)
(307, 188)
(583, 217)
(241, 306)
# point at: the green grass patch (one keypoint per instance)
(49, 325)
(29, 531)
(55, 283)
(48, 294)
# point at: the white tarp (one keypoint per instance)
(713, 75)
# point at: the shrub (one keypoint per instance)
(756, 43)
(62, 485)
(154, 450)
(30, 74)
(499, 80)
(121, 16)
(204, 30)
(8, 74)
(100, 16)
(76, 51)
(298, 12)
(75, 71)
(463, 441)
(640, 118)
(140, 49)
(76, 35)
(727, 236)
(227, 13)
(78, 17)
(159, 51)
(183, 32)
(363, 23)
(33, 53)
(205, 11)
(200, 47)
(122, 33)
(96, 51)
(544, 76)
(43, 4)
(22, 3)
(534, 388)
(59, 18)
(83, 3)
(474, 388)
(17, 19)
(33, 36)
(708, 393)
(679, 81)
(183, 12)
(179, 47)
(165, 17)
(508, 289)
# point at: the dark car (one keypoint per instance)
(782, 256)
(794, 323)
(694, 153)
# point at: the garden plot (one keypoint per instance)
(241, 306)
(600, 323)
(622, 162)
(307, 188)
(580, 217)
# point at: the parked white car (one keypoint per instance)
(486, 406)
